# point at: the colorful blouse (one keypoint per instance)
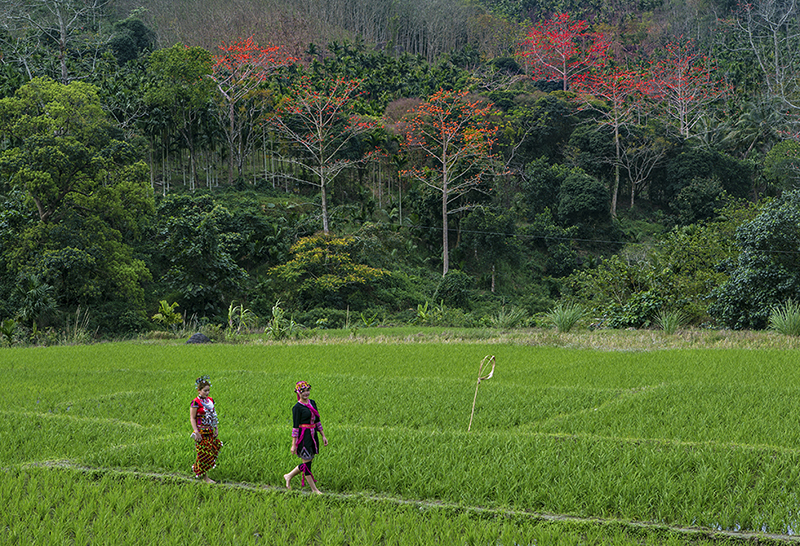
(206, 414)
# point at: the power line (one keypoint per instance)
(569, 239)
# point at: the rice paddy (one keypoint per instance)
(567, 445)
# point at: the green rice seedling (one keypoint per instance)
(52, 506)
(564, 316)
(786, 318)
(692, 437)
(669, 320)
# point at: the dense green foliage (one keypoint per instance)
(90, 196)
(767, 271)
(144, 160)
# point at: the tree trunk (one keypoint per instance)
(616, 176)
(62, 46)
(231, 117)
(445, 246)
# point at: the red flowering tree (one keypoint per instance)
(318, 122)
(238, 71)
(562, 49)
(684, 82)
(615, 94)
(452, 138)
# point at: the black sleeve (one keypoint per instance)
(296, 416)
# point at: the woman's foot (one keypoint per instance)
(314, 489)
(208, 480)
(288, 479)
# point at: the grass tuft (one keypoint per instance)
(506, 319)
(786, 318)
(670, 321)
(565, 315)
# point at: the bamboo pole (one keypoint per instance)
(484, 364)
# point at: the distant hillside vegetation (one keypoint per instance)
(423, 27)
(420, 27)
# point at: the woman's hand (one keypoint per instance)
(293, 449)
(196, 436)
(324, 441)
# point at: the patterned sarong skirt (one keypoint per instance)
(207, 451)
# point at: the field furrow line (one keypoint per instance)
(691, 533)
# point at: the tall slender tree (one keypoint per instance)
(318, 121)
(57, 21)
(239, 69)
(182, 87)
(618, 89)
(451, 136)
(768, 31)
(685, 83)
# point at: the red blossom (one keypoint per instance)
(563, 49)
(685, 82)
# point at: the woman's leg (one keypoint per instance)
(305, 470)
(288, 477)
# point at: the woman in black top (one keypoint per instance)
(305, 427)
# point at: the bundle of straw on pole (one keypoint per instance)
(481, 369)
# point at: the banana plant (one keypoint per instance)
(241, 318)
(7, 329)
(166, 314)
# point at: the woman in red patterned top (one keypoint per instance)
(203, 418)
(305, 426)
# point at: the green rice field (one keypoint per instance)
(567, 446)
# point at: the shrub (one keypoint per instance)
(583, 200)
(565, 315)
(670, 321)
(508, 318)
(323, 273)
(442, 315)
(698, 200)
(786, 318)
(767, 270)
(132, 321)
(454, 289)
(279, 326)
(324, 318)
(7, 329)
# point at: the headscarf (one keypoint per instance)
(300, 385)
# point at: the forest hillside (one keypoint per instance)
(303, 165)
